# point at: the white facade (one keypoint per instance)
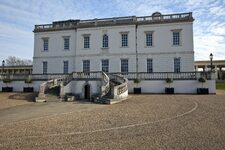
(151, 86)
(162, 52)
(151, 49)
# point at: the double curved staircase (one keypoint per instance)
(113, 87)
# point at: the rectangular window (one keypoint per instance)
(105, 65)
(86, 65)
(45, 67)
(124, 66)
(65, 67)
(86, 41)
(124, 40)
(105, 41)
(176, 38)
(148, 39)
(45, 44)
(176, 65)
(66, 43)
(149, 66)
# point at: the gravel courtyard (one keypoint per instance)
(141, 122)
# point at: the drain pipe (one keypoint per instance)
(136, 49)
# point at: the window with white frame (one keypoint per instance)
(149, 65)
(105, 41)
(45, 67)
(124, 39)
(45, 44)
(86, 41)
(148, 38)
(176, 37)
(66, 43)
(124, 66)
(177, 65)
(105, 65)
(65, 67)
(86, 65)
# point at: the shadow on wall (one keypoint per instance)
(30, 97)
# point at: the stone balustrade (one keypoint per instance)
(73, 24)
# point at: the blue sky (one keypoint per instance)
(18, 17)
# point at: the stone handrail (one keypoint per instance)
(98, 75)
(63, 80)
(60, 81)
(165, 75)
(105, 84)
(87, 75)
(47, 85)
(120, 91)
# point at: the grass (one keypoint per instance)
(220, 86)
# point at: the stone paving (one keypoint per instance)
(141, 122)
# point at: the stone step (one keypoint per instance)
(40, 100)
(52, 98)
(110, 100)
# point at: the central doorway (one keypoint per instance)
(87, 92)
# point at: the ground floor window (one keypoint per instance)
(105, 65)
(176, 65)
(149, 66)
(45, 67)
(65, 67)
(86, 65)
(124, 66)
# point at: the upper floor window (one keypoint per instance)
(105, 41)
(148, 37)
(105, 65)
(176, 65)
(124, 39)
(45, 67)
(65, 67)
(66, 43)
(86, 65)
(124, 66)
(86, 41)
(45, 44)
(149, 66)
(176, 37)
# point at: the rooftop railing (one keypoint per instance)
(70, 24)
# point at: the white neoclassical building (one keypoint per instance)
(104, 59)
(157, 43)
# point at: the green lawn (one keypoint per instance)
(220, 86)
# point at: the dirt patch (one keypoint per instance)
(14, 99)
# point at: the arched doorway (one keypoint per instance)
(87, 92)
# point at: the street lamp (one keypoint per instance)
(3, 65)
(211, 58)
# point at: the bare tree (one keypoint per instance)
(15, 61)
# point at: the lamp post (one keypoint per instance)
(211, 58)
(3, 65)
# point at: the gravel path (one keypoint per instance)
(141, 122)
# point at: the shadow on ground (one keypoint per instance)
(30, 97)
